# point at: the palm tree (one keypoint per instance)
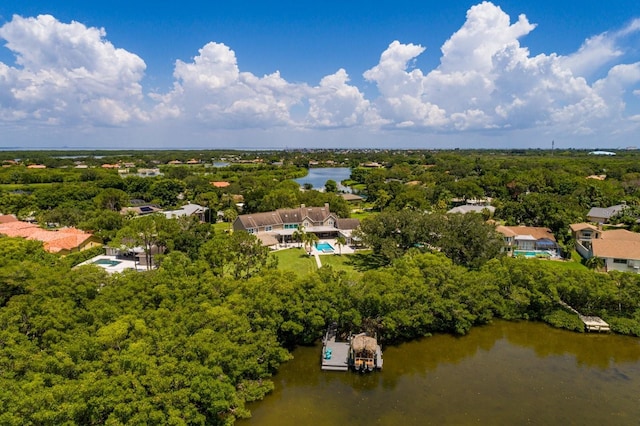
(230, 214)
(310, 240)
(299, 235)
(341, 241)
(594, 262)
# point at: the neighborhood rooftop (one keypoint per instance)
(55, 241)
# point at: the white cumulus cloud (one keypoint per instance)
(486, 80)
(212, 90)
(68, 73)
(334, 103)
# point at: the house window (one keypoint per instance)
(620, 261)
(330, 222)
(586, 235)
(268, 228)
(306, 224)
(290, 226)
(251, 230)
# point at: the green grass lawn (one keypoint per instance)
(571, 264)
(354, 265)
(341, 263)
(221, 227)
(575, 262)
(295, 260)
(561, 265)
(361, 214)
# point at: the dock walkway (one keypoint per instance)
(335, 355)
(591, 323)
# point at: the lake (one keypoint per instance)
(318, 177)
(504, 373)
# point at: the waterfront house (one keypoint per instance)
(282, 223)
(528, 240)
(618, 248)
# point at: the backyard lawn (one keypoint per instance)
(297, 260)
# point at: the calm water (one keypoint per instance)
(318, 177)
(502, 374)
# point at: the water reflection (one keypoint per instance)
(319, 176)
(504, 373)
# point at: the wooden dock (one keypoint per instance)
(335, 355)
(594, 323)
(591, 323)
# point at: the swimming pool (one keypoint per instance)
(324, 247)
(532, 253)
(107, 262)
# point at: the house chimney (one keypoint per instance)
(326, 206)
(302, 206)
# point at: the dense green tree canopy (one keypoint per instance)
(194, 340)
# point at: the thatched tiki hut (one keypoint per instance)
(363, 352)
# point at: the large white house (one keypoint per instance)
(280, 225)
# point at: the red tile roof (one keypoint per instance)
(6, 218)
(536, 232)
(54, 240)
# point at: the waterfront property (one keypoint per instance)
(529, 241)
(360, 352)
(591, 323)
(365, 354)
(498, 374)
(335, 354)
(618, 248)
(281, 225)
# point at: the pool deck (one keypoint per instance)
(336, 250)
(120, 267)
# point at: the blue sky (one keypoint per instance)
(400, 74)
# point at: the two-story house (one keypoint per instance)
(529, 241)
(618, 248)
(282, 223)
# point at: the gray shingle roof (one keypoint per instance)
(606, 212)
(282, 216)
